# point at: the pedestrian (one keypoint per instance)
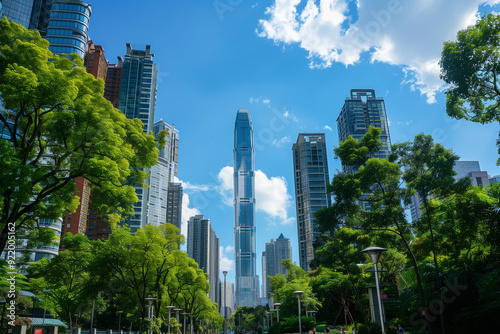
(401, 330)
(314, 330)
(354, 330)
(327, 330)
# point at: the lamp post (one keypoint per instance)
(169, 310)
(184, 328)
(76, 320)
(278, 310)
(225, 313)
(150, 309)
(119, 321)
(374, 253)
(177, 310)
(298, 293)
(191, 327)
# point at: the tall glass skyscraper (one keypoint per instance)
(244, 210)
(68, 27)
(138, 100)
(311, 176)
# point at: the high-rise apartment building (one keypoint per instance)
(244, 211)
(68, 26)
(77, 222)
(95, 61)
(275, 251)
(174, 204)
(114, 83)
(137, 100)
(203, 247)
(311, 177)
(360, 111)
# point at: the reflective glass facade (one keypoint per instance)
(163, 174)
(18, 11)
(68, 26)
(244, 210)
(311, 177)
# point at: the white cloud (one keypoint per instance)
(326, 127)
(271, 194)
(226, 179)
(288, 114)
(187, 213)
(266, 101)
(226, 258)
(280, 142)
(409, 34)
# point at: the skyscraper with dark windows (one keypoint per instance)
(360, 111)
(311, 176)
(203, 247)
(244, 211)
(137, 100)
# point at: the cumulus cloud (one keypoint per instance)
(288, 114)
(271, 194)
(226, 258)
(409, 34)
(326, 127)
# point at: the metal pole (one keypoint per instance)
(191, 324)
(300, 321)
(91, 319)
(225, 313)
(184, 327)
(119, 321)
(169, 310)
(379, 299)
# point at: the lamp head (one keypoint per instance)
(374, 253)
(224, 273)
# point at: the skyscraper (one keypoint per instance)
(174, 204)
(360, 111)
(162, 173)
(203, 247)
(311, 177)
(137, 100)
(244, 210)
(68, 26)
(275, 252)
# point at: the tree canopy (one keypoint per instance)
(56, 125)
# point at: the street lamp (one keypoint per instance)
(191, 327)
(119, 321)
(177, 310)
(169, 310)
(225, 313)
(374, 253)
(298, 293)
(278, 310)
(184, 328)
(150, 309)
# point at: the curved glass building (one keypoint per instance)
(68, 27)
(244, 210)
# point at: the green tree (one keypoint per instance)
(471, 65)
(61, 281)
(60, 127)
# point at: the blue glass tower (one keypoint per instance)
(244, 210)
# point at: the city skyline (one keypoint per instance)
(212, 63)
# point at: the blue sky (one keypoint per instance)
(291, 63)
